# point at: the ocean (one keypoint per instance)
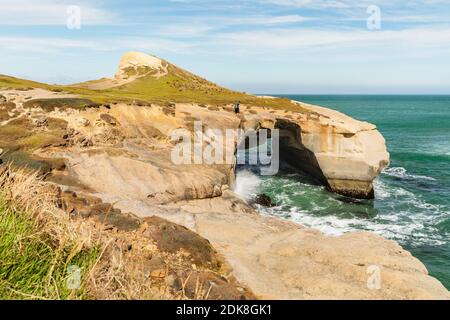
(412, 204)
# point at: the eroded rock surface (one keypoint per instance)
(281, 260)
(135, 64)
(121, 154)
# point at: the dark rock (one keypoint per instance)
(169, 110)
(152, 132)
(86, 142)
(73, 205)
(108, 215)
(264, 200)
(86, 206)
(22, 159)
(155, 267)
(211, 286)
(22, 122)
(56, 124)
(64, 179)
(41, 122)
(170, 237)
(109, 119)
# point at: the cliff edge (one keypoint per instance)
(115, 145)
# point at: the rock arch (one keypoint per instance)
(340, 152)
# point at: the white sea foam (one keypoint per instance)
(383, 191)
(400, 225)
(391, 228)
(402, 173)
(247, 184)
(403, 219)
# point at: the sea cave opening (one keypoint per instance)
(276, 151)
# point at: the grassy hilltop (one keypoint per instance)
(177, 86)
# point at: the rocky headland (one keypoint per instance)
(106, 145)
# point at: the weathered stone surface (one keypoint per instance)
(22, 159)
(279, 259)
(108, 119)
(343, 153)
(172, 238)
(85, 206)
(263, 200)
(212, 287)
(111, 217)
(135, 64)
(275, 258)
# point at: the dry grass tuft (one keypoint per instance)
(39, 241)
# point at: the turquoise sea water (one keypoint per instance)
(412, 204)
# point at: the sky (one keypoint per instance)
(257, 46)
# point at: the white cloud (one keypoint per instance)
(296, 39)
(151, 45)
(265, 20)
(50, 44)
(184, 30)
(54, 44)
(272, 42)
(350, 4)
(312, 3)
(47, 12)
(214, 24)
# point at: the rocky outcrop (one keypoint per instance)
(121, 154)
(344, 154)
(136, 64)
(279, 259)
(263, 200)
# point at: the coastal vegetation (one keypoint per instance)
(87, 181)
(38, 246)
(177, 86)
(61, 245)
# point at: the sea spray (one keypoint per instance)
(247, 184)
(412, 203)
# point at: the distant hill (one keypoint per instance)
(145, 78)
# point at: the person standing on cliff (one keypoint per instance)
(236, 106)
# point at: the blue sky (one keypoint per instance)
(259, 46)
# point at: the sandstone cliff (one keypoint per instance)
(119, 150)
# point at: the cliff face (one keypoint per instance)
(136, 64)
(350, 153)
(120, 152)
(344, 154)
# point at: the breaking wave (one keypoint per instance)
(247, 184)
(399, 172)
(397, 214)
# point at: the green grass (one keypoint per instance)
(7, 82)
(40, 140)
(49, 105)
(178, 86)
(33, 265)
